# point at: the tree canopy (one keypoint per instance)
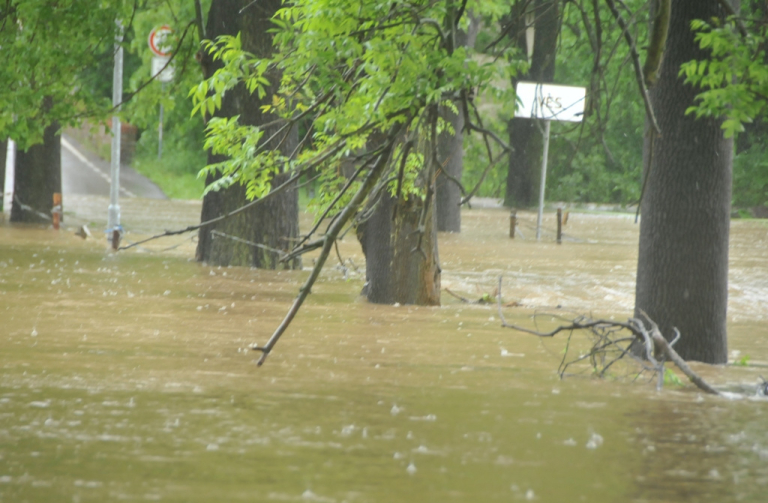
(347, 72)
(47, 47)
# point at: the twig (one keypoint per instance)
(606, 332)
(280, 253)
(636, 63)
(482, 178)
(232, 213)
(463, 299)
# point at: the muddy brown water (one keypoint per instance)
(128, 376)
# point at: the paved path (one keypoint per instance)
(83, 173)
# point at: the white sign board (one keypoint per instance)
(158, 40)
(550, 102)
(160, 71)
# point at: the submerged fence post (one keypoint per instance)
(116, 235)
(56, 211)
(559, 226)
(512, 223)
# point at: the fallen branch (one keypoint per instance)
(661, 343)
(613, 340)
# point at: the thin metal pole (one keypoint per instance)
(113, 220)
(160, 130)
(544, 156)
(10, 173)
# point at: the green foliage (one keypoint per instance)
(183, 156)
(734, 85)
(734, 80)
(64, 50)
(742, 362)
(362, 73)
(599, 160)
(183, 137)
(46, 47)
(671, 379)
(750, 177)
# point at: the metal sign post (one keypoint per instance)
(160, 131)
(161, 70)
(544, 156)
(113, 220)
(10, 173)
(548, 102)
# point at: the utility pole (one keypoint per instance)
(113, 221)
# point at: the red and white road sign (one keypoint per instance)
(158, 40)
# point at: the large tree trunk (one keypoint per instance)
(451, 152)
(395, 271)
(37, 178)
(273, 225)
(524, 136)
(682, 271)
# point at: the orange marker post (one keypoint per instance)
(56, 211)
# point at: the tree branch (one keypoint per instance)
(232, 213)
(636, 63)
(606, 332)
(330, 238)
(657, 42)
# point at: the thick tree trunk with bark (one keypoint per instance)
(450, 149)
(524, 135)
(682, 271)
(37, 178)
(451, 152)
(273, 225)
(395, 270)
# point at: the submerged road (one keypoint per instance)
(84, 173)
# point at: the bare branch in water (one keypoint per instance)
(613, 340)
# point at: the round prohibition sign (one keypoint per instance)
(157, 40)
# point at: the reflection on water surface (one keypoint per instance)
(128, 377)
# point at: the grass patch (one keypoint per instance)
(176, 176)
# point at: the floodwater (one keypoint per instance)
(128, 377)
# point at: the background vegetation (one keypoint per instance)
(599, 160)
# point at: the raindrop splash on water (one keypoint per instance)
(594, 441)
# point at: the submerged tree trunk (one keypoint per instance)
(524, 136)
(37, 178)
(253, 237)
(447, 192)
(451, 152)
(395, 270)
(682, 271)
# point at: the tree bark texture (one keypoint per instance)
(450, 149)
(524, 135)
(395, 271)
(275, 223)
(682, 271)
(37, 178)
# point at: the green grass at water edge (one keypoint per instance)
(176, 184)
